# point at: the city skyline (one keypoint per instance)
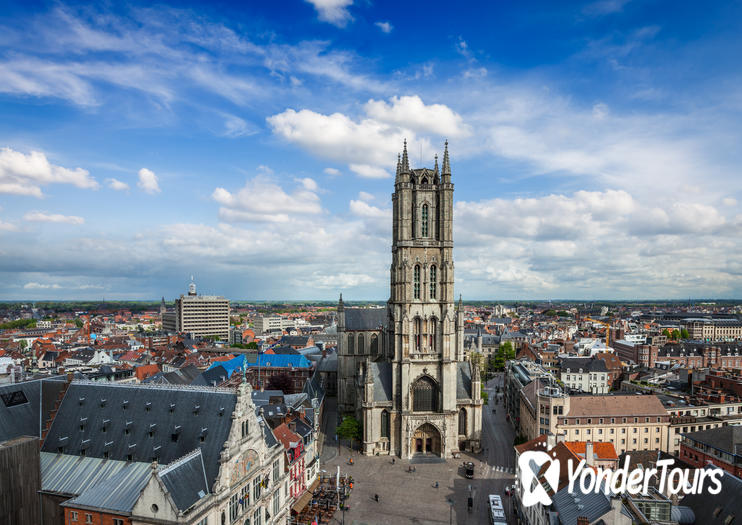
(593, 148)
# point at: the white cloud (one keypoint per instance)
(263, 200)
(7, 227)
(38, 216)
(363, 209)
(368, 172)
(148, 181)
(334, 12)
(332, 171)
(412, 113)
(40, 286)
(236, 127)
(729, 201)
(365, 196)
(117, 185)
(385, 27)
(369, 145)
(22, 174)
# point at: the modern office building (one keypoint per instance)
(198, 315)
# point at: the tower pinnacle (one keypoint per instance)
(435, 168)
(405, 160)
(446, 163)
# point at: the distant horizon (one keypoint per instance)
(696, 302)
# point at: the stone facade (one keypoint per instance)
(403, 370)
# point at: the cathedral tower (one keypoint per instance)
(404, 373)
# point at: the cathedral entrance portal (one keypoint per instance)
(426, 440)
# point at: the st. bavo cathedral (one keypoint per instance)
(401, 369)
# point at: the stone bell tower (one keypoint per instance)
(425, 326)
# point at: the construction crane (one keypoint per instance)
(607, 328)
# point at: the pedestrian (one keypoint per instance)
(392, 461)
(436, 484)
(376, 497)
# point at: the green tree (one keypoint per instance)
(252, 345)
(684, 334)
(349, 429)
(79, 323)
(666, 333)
(508, 350)
(485, 395)
(675, 335)
(23, 344)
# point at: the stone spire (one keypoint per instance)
(399, 164)
(405, 160)
(446, 164)
(341, 305)
(435, 168)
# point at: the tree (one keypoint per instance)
(79, 323)
(485, 396)
(349, 429)
(508, 350)
(252, 345)
(675, 335)
(23, 344)
(684, 334)
(281, 382)
(666, 333)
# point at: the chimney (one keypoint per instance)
(582, 520)
(589, 457)
(550, 441)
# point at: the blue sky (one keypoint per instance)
(595, 146)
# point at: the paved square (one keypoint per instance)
(406, 497)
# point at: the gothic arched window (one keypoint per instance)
(418, 333)
(416, 279)
(425, 395)
(361, 344)
(424, 221)
(433, 333)
(385, 424)
(462, 422)
(374, 345)
(433, 277)
(351, 341)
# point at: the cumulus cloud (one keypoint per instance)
(363, 209)
(369, 145)
(411, 112)
(263, 200)
(25, 174)
(334, 12)
(7, 227)
(117, 185)
(38, 216)
(148, 181)
(364, 196)
(385, 27)
(331, 171)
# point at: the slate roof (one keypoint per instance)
(365, 318)
(294, 340)
(117, 493)
(214, 376)
(587, 364)
(284, 349)
(463, 380)
(590, 505)
(713, 509)
(161, 410)
(185, 479)
(381, 373)
(727, 439)
(21, 418)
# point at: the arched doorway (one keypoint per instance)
(426, 440)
